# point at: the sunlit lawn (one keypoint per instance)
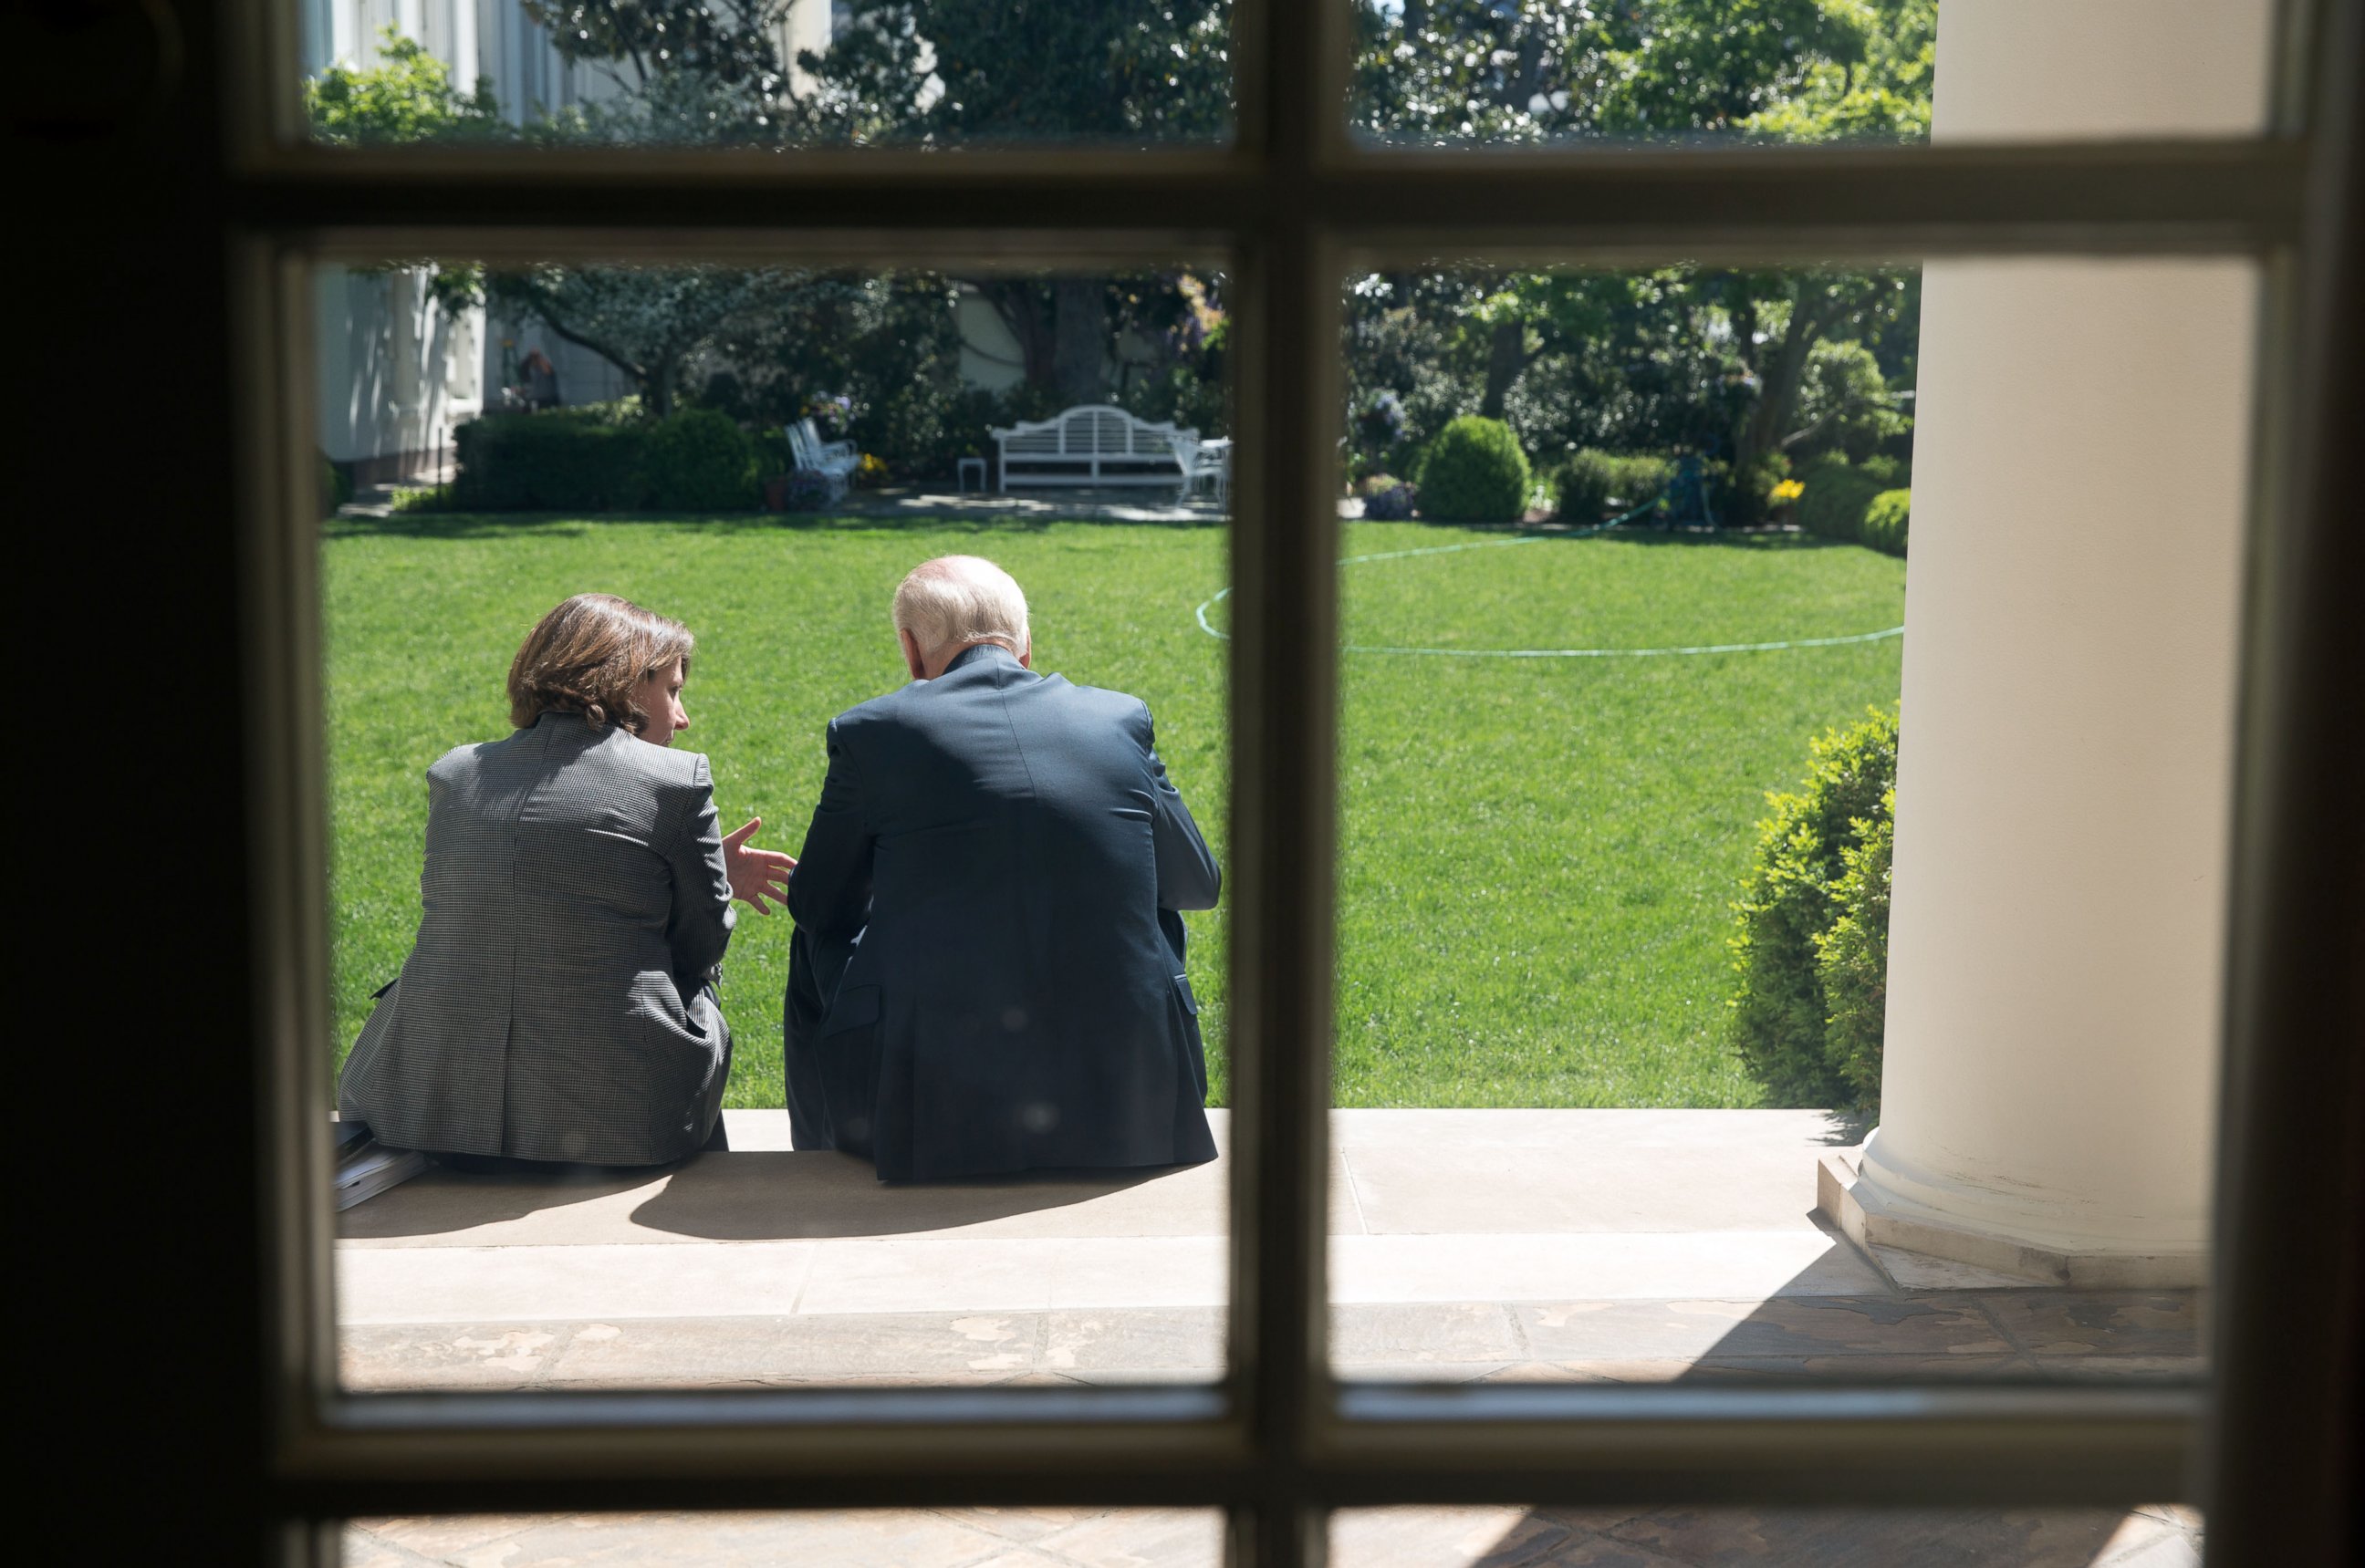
(1537, 854)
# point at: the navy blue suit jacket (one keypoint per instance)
(985, 906)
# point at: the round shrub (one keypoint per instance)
(1475, 471)
(1835, 499)
(1885, 521)
(699, 460)
(1810, 932)
(1391, 504)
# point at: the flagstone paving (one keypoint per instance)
(1468, 1246)
(1370, 1537)
(1602, 1246)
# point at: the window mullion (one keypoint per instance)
(1285, 706)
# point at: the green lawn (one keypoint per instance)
(1537, 854)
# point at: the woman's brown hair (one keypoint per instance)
(586, 655)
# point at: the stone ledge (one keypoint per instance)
(1916, 1253)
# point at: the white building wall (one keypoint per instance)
(396, 371)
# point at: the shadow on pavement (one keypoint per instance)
(763, 1195)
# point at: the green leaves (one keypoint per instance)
(1475, 471)
(952, 71)
(407, 96)
(1525, 70)
(1810, 939)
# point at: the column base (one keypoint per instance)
(1919, 1251)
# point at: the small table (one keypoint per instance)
(962, 470)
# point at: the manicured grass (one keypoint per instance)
(1536, 855)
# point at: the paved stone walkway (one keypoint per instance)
(1622, 1246)
(1376, 1538)
(1594, 1246)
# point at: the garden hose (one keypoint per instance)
(1222, 594)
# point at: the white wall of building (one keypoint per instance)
(394, 373)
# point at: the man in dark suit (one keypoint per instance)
(987, 971)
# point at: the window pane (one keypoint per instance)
(2157, 1536)
(1008, 992)
(756, 73)
(1698, 1017)
(1435, 73)
(902, 1537)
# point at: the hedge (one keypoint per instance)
(1836, 497)
(601, 459)
(1851, 957)
(698, 460)
(1810, 932)
(1475, 471)
(1885, 521)
(549, 463)
(1589, 483)
(336, 486)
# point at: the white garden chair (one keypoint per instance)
(835, 461)
(1209, 460)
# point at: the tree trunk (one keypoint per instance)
(1506, 355)
(1023, 306)
(1080, 333)
(1778, 389)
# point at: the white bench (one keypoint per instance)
(1095, 444)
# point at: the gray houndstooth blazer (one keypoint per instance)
(558, 1003)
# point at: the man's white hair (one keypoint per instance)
(956, 601)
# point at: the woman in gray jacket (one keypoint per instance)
(559, 1001)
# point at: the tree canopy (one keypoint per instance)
(1742, 365)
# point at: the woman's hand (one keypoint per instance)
(757, 874)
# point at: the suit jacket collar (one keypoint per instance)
(983, 653)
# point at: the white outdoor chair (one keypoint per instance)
(1208, 460)
(835, 461)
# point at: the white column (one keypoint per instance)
(2080, 457)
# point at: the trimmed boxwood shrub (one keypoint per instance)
(1589, 485)
(1475, 471)
(1805, 1016)
(1836, 498)
(699, 460)
(552, 462)
(1885, 521)
(1852, 957)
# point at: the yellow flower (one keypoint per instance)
(1788, 490)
